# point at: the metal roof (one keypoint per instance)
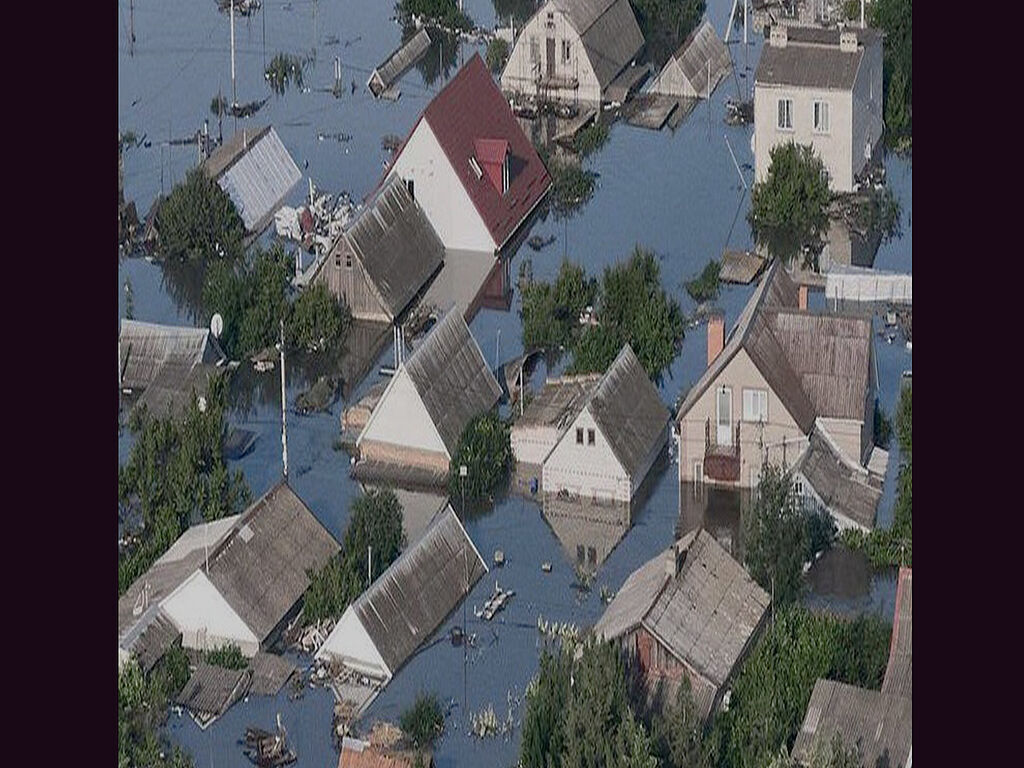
(395, 243)
(149, 349)
(150, 638)
(269, 673)
(899, 672)
(880, 725)
(398, 62)
(846, 490)
(411, 599)
(627, 408)
(701, 46)
(257, 174)
(452, 378)
(261, 568)
(812, 58)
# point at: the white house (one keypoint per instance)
(571, 50)
(606, 448)
(822, 88)
(434, 394)
(696, 68)
(469, 165)
(252, 580)
(405, 605)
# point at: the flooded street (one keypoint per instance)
(676, 193)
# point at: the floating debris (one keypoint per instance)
(564, 630)
(484, 723)
(546, 567)
(318, 398)
(537, 242)
(247, 110)
(499, 558)
(284, 70)
(391, 143)
(607, 595)
(383, 78)
(242, 7)
(266, 749)
(739, 112)
(238, 443)
(317, 225)
(495, 603)
(344, 138)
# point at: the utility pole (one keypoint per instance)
(131, 25)
(284, 408)
(369, 565)
(497, 350)
(234, 93)
(463, 471)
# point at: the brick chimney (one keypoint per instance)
(716, 335)
(779, 37)
(802, 294)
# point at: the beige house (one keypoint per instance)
(571, 50)
(782, 374)
(822, 88)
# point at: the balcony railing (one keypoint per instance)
(721, 460)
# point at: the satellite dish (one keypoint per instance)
(216, 325)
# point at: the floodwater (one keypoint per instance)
(677, 193)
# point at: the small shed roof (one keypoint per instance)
(150, 638)
(399, 61)
(212, 689)
(261, 567)
(395, 243)
(559, 401)
(269, 673)
(411, 599)
(899, 672)
(844, 489)
(880, 725)
(356, 753)
(610, 34)
(812, 58)
(256, 171)
(627, 408)
(170, 392)
(701, 46)
(452, 378)
(147, 350)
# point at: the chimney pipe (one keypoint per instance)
(802, 293)
(716, 335)
(670, 562)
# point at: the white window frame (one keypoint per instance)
(566, 51)
(788, 115)
(820, 109)
(475, 166)
(723, 429)
(755, 405)
(698, 477)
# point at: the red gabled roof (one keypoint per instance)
(469, 109)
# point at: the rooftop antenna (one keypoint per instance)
(284, 408)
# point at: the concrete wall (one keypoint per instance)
(834, 148)
(867, 106)
(205, 619)
(586, 470)
(441, 194)
(755, 439)
(523, 69)
(400, 419)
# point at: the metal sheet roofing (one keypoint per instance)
(398, 62)
(261, 567)
(150, 638)
(147, 349)
(452, 378)
(899, 672)
(880, 725)
(846, 490)
(701, 46)
(627, 408)
(395, 243)
(812, 58)
(472, 107)
(258, 178)
(411, 599)
(269, 673)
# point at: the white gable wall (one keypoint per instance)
(205, 619)
(586, 470)
(400, 418)
(441, 194)
(350, 644)
(532, 444)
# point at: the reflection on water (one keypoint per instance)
(717, 510)
(843, 582)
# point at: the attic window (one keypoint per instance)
(590, 437)
(411, 188)
(476, 167)
(579, 435)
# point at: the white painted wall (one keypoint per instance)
(586, 470)
(350, 644)
(205, 619)
(400, 418)
(848, 436)
(532, 444)
(441, 194)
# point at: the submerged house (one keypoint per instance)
(251, 583)
(256, 171)
(418, 420)
(595, 438)
(383, 260)
(878, 723)
(469, 165)
(822, 88)
(690, 612)
(405, 605)
(571, 51)
(783, 374)
(696, 68)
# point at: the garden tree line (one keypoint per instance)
(895, 19)
(631, 306)
(175, 476)
(485, 449)
(894, 546)
(572, 185)
(665, 25)
(142, 704)
(376, 521)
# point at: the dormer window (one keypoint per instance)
(477, 170)
(490, 158)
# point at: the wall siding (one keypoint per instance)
(586, 470)
(401, 419)
(848, 434)
(532, 444)
(351, 285)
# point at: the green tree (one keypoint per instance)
(445, 13)
(706, 285)
(485, 449)
(895, 19)
(676, 730)
(228, 656)
(789, 209)
(665, 24)
(198, 221)
(142, 703)
(775, 536)
(497, 54)
(317, 320)
(551, 312)
(423, 721)
(543, 736)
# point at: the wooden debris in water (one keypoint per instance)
(741, 266)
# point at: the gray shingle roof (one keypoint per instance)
(559, 402)
(879, 724)
(849, 492)
(812, 59)
(899, 672)
(610, 34)
(627, 408)
(149, 349)
(269, 673)
(261, 568)
(396, 245)
(212, 689)
(693, 55)
(452, 378)
(411, 599)
(150, 638)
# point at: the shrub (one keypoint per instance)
(423, 722)
(497, 54)
(228, 656)
(317, 320)
(706, 286)
(198, 221)
(485, 449)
